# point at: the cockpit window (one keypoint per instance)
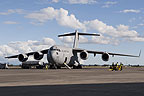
(51, 48)
(55, 48)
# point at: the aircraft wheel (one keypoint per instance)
(52, 67)
(39, 67)
(26, 67)
(58, 67)
(77, 67)
(74, 67)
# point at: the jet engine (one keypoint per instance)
(38, 55)
(22, 57)
(84, 55)
(105, 56)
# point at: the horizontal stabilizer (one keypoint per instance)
(68, 34)
(72, 34)
(94, 34)
(77, 34)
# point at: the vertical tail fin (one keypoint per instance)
(76, 38)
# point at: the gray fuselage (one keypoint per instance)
(59, 55)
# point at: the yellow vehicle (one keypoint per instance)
(116, 67)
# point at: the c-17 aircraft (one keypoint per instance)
(59, 56)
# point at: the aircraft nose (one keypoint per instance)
(54, 54)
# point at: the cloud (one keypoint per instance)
(14, 48)
(45, 41)
(46, 1)
(141, 24)
(67, 1)
(108, 4)
(55, 1)
(10, 22)
(138, 25)
(70, 39)
(43, 15)
(104, 40)
(63, 18)
(137, 39)
(113, 33)
(81, 1)
(130, 11)
(60, 15)
(119, 31)
(12, 11)
(68, 20)
(24, 47)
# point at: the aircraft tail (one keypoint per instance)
(76, 34)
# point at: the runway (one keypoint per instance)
(85, 82)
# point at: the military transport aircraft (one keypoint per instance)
(59, 56)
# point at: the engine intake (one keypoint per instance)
(38, 55)
(105, 57)
(22, 57)
(84, 55)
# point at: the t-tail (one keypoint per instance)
(76, 34)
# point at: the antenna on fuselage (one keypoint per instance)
(76, 38)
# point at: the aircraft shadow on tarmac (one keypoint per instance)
(116, 89)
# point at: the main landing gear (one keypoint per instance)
(59, 67)
(54, 67)
(77, 67)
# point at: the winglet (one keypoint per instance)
(139, 53)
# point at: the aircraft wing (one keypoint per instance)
(101, 52)
(28, 54)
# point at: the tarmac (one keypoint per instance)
(75, 82)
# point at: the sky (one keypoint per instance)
(33, 25)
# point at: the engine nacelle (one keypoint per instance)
(22, 57)
(84, 55)
(105, 57)
(38, 55)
